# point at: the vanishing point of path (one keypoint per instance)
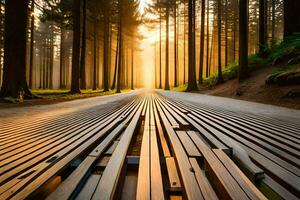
(150, 145)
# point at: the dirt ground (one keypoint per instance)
(255, 89)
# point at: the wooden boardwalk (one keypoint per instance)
(150, 147)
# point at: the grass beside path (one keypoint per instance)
(55, 96)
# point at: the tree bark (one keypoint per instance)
(202, 41)
(175, 46)
(262, 25)
(192, 82)
(207, 41)
(106, 53)
(243, 39)
(61, 59)
(14, 73)
(95, 55)
(83, 49)
(226, 33)
(116, 64)
(75, 88)
(220, 77)
(167, 84)
(132, 67)
(160, 51)
(120, 70)
(291, 17)
(31, 46)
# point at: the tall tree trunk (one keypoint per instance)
(167, 84)
(31, 46)
(184, 44)
(160, 50)
(262, 25)
(95, 55)
(226, 33)
(83, 48)
(51, 56)
(235, 10)
(105, 55)
(202, 41)
(207, 40)
(14, 73)
(243, 39)
(291, 17)
(192, 82)
(132, 67)
(175, 45)
(116, 64)
(75, 88)
(120, 70)
(273, 21)
(61, 59)
(220, 77)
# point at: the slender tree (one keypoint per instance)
(95, 52)
(120, 63)
(167, 84)
(83, 48)
(243, 39)
(192, 83)
(32, 20)
(220, 77)
(175, 45)
(160, 49)
(201, 62)
(106, 46)
(207, 40)
(75, 88)
(262, 25)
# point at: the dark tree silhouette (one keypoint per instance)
(243, 39)
(76, 48)
(262, 25)
(14, 73)
(291, 17)
(192, 82)
(83, 48)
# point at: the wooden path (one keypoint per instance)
(149, 147)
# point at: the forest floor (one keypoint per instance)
(255, 89)
(56, 96)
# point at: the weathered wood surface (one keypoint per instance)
(181, 151)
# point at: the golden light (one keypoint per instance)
(147, 53)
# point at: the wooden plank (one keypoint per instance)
(88, 190)
(174, 180)
(188, 144)
(224, 183)
(192, 190)
(112, 148)
(206, 189)
(33, 182)
(65, 190)
(239, 176)
(108, 183)
(157, 190)
(144, 184)
(162, 138)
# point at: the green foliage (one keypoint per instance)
(289, 48)
(181, 88)
(229, 73)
